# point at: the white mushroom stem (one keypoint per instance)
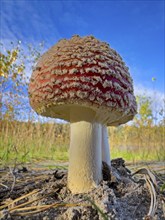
(85, 162)
(105, 146)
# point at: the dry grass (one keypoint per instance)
(26, 141)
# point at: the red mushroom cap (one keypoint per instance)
(83, 72)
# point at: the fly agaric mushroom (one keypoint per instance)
(85, 82)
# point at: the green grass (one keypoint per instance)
(12, 151)
(10, 154)
(141, 155)
(26, 142)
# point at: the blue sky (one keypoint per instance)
(134, 28)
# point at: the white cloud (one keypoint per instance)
(21, 20)
(153, 93)
(157, 97)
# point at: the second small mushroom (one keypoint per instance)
(84, 81)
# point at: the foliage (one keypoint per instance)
(14, 64)
(145, 114)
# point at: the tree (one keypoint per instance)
(145, 114)
(14, 64)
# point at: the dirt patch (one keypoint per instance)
(43, 194)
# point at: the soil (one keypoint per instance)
(27, 193)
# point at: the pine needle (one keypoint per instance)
(42, 208)
(18, 199)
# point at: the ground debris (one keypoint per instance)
(43, 194)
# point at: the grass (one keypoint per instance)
(24, 142)
(9, 154)
(141, 155)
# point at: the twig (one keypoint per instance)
(153, 204)
(4, 185)
(14, 178)
(22, 185)
(152, 185)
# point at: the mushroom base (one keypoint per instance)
(85, 161)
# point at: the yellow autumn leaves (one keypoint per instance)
(9, 66)
(16, 62)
